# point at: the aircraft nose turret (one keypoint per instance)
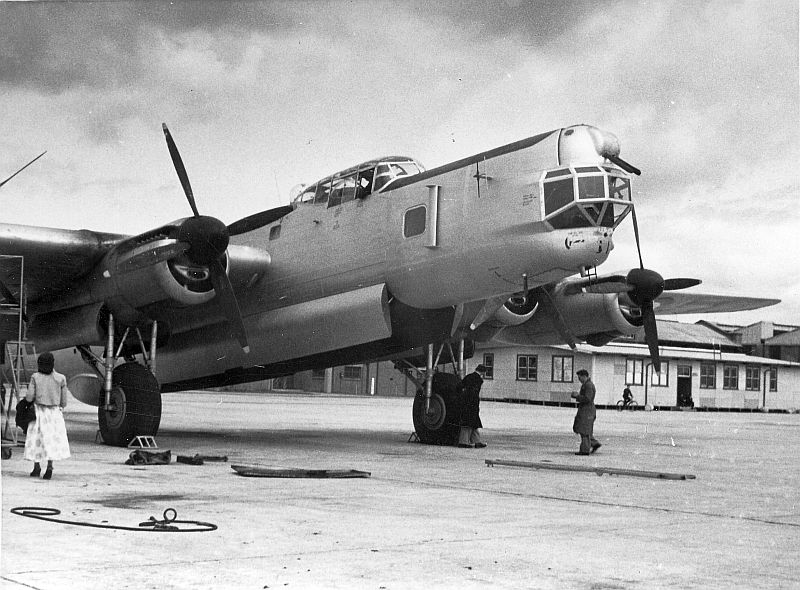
(585, 144)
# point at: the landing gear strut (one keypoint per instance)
(437, 403)
(130, 401)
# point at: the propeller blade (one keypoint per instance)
(227, 299)
(675, 284)
(629, 168)
(636, 235)
(180, 169)
(23, 168)
(651, 333)
(154, 256)
(257, 220)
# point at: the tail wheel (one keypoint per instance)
(135, 405)
(440, 424)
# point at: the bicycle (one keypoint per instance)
(632, 404)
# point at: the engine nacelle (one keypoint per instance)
(592, 317)
(516, 311)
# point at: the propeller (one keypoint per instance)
(642, 285)
(643, 288)
(204, 240)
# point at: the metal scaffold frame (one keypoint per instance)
(13, 371)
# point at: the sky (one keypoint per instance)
(262, 96)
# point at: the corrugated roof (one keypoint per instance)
(788, 339)
(700, 335)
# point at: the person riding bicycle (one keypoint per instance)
(627, 396)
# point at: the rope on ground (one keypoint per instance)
(166, 525)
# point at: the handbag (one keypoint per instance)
(26, 413)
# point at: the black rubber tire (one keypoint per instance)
(441, 425)
(620, 405)
(633, 404)
(136, 397)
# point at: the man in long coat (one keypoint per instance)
(468, 436)
(584, 419)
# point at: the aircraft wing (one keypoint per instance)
(673, 302)
(53, 258)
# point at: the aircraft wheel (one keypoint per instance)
(439, 426)
(135, 406)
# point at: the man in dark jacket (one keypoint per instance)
(468, 437)
(584, 419)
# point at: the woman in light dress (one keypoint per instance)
(46, 439)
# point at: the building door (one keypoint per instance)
(350, 380)
(685, 386)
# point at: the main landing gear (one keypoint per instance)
(130, 400)
(134, 407)
(437, 403)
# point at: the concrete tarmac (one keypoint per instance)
(431, 517)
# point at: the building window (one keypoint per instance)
(708, 376)
(773, 379)
(634, 371)
(318, 374)
(730, 377)
(352, 372)
(752, 378)
(527, 367)
(562, 369)
(488, 362)
(661, 379)
(414, 221)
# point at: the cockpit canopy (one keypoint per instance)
(374, 176)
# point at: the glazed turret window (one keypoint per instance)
(585, 196)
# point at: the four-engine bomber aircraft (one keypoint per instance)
(379, 261)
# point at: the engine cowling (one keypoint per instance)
(516, 310)
(595, 318)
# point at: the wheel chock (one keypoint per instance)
(413, 437)
(143, 442)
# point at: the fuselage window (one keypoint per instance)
(274, 232)
(414, 221)
(557, 194)
(386, 173)
(364, 185)
(323, 191)
(342, 190)
(307, 195)
(619, 188)
(592, 187)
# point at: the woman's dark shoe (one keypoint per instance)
(48, 473)
(37, 470)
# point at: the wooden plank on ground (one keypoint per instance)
(585, 469)
(258, 471)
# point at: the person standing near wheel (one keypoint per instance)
(46, 438)
(468, 436)
(584, 419)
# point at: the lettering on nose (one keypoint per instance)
(570, 241)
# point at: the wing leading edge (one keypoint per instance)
(689, 303)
